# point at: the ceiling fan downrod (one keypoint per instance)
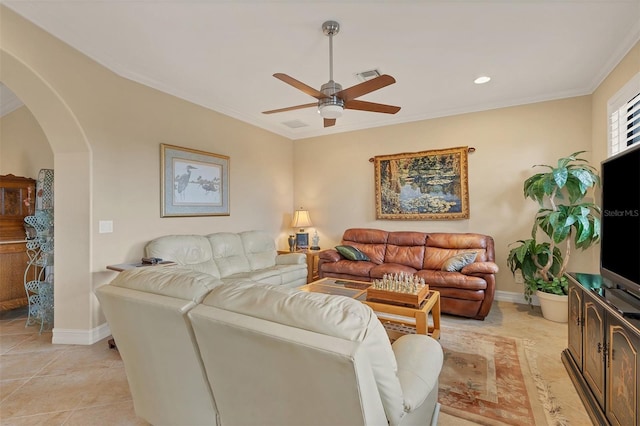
(332, 106)
(330, 28)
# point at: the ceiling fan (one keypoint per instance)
(332, 99)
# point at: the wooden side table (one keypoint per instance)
(313, 274)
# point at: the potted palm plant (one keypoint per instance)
(566, 220)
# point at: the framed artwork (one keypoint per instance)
(422, 185)
(302, 240)
(193, 183)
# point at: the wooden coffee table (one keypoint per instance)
(387, 312)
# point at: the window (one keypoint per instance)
(624, 117)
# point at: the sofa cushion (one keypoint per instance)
(378, 271)
(372, 242)
(483, 244)
(412, 256)
(265, 276)
(167, 281)
(325, 314)
(407, 238)
(259, 248)
(480, 268)
(435, 257)
(459, 261)
(351, 253)
(192, 251)
(293, 274)
(406, 247)
(348, 267)
(228, 253)
(440, 278)
(418, 377)
(291, 259)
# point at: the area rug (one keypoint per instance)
(491, 380)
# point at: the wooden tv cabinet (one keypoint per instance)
(602, 357)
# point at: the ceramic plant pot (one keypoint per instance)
(554, 307)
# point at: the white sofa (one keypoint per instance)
(198, 351)
(248, 255)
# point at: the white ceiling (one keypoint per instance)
(222, 54)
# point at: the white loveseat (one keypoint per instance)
(200, 352)
(248, 255)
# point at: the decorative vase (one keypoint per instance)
(554, 307)
(315, 241)
(292, 242)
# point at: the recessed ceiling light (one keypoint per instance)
(482, 79)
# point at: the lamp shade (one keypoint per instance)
(301, 219)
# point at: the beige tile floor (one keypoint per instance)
(46, 384)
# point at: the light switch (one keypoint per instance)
(105, 226)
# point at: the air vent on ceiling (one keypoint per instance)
(368, 75)
(295, 124)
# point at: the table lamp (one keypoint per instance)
(301, 220)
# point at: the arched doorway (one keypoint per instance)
(74, 301)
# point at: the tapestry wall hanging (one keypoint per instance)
(422, 185)
(193, 183)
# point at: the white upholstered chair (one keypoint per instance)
(278, 356)
(146, 309)
(201, 352)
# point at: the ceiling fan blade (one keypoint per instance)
(315, 104)
(328, 122)
(366, 87)
(300, 86)
(371, 106)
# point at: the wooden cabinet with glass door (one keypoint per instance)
(17, 195)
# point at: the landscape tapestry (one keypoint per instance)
(422, 185)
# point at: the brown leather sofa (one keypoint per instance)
(468, 292)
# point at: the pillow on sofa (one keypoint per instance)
(351, 253)
(459, 261)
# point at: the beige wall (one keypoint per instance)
(105, 133)
(337, 185)
(625, 71)
(24, 148)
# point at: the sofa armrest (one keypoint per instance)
(479, 268)
(419, 359)
(291, 259)
(330, 255)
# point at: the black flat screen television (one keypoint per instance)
(620, 218)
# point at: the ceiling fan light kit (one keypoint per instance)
(330, 111)
(332, 99)
(331, 106)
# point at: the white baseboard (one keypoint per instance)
(509, 296)
(80, 337)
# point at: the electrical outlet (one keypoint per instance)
(519, 279)
(105, 226)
